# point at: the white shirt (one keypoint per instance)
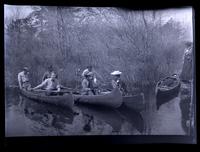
(22, 77)
(49, 84)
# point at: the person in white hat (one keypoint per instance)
(117, 82)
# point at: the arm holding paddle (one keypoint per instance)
(45, 76)
(58, 87)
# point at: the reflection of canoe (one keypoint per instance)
(108, 115)
(112, 99)
(132, 116)
(167, 89)
(135, 102)
(65, 100)
(35, 108)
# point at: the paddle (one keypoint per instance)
(55, 91)
(64, 90)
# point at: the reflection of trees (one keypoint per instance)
(91, 119)
(107, 115)
(46, 115)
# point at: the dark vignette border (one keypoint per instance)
(49, 142)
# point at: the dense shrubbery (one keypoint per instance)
(135, 43)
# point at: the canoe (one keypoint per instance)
(167, 89)
(135, 102)
(112, 99)
(65, 100)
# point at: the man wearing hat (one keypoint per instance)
(94, 73)
(117, 82)
(23, 79)
(87, 84)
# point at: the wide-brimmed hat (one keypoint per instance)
(116, 73)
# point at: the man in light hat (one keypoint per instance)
(87, 84)
(23, 79)
(117, 82)
(94, 73)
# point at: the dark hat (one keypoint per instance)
(188, 43)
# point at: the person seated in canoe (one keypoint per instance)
(23, 79)
(50, 84)
(118, 83)
(94, 74)
(47, 74)
(88, 87)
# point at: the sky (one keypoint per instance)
(183, 15)
(9, 10)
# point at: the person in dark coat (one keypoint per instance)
(187, 70)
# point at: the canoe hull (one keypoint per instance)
(112, 99)
(165, 95)
(135, 102)
(65, 100)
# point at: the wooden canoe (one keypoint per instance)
(65, 100)
(167, 89)
(112, 99)
(135, 102)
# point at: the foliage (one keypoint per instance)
(134, 42)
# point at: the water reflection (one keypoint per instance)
(162, 99)
(39, 119)
(135, 118)
(107, 115)
(46, 114)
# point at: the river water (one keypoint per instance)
(24, 117)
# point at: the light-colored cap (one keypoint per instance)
(88, 73)
(116, 73)
(25, 68)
